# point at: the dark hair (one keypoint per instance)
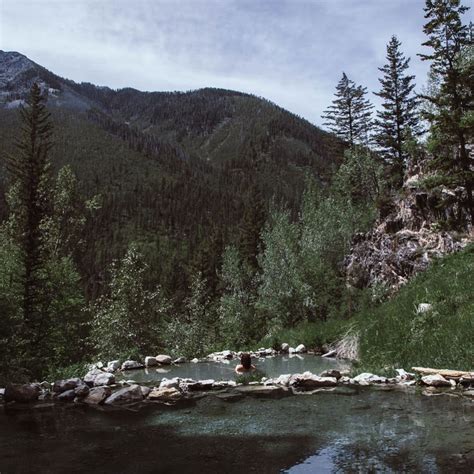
(246, 361)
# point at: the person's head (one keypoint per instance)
(246, 360)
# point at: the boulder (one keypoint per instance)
(165, 394)
(91, 375)
(145, 390)
(300, 349)
(424, 308)
(131, 365)
(331, 373)
(22, 393)
(82, 390)
(285, 348)
(163, 359)
(283, 379)
(309, 380)
(179, 360)
(403, 375)
(97, 395)
(150, 361)
(125, 396)
(170, 383)
(435, 380)
(105, 378)
(67, 396)
(195, 360)
(113, 365)
(64, 385)
(367, 379)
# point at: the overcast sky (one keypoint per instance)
(292, 52)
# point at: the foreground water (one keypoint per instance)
(270, 366)
(343, 430)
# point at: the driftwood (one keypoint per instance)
(446, 373)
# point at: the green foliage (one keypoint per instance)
(349, 116)
(193, 333)
(129, 320)
(398, 118)
(253, 376)
(394, 334)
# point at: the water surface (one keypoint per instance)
(270, 366)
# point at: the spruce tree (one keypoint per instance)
(398, 118)
(453, 103)
(30, 168)
(349, 116)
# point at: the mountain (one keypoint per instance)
(175, 170)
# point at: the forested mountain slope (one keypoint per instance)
(174, 171)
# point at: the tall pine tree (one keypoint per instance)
(398, 118)
(30, 168)
(349, 116)
(453, 103)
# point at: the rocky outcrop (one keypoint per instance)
(405, 240)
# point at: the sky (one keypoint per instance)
(292, 52)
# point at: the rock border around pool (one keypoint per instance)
(98, 387)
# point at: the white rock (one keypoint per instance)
(283, 379)
(170, 383)
(145, 390)
(195, 360)
(2, 392)
(150, 361)
(113, 365)
(403, 375)
(179, 360)
(367, 379)
(291, 350)
(424, 308)
(91, 375)
(285, 347)
(163, 359)
(299, 349)
(131, 365)
(435, 380)
(104, 378)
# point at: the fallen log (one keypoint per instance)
(446, 373)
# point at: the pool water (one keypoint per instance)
(270, 366)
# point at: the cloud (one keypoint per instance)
(290, 51)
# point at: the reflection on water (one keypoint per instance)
(356, 430)
(271, 366)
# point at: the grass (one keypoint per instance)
(394, 335)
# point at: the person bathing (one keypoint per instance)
(245, 364)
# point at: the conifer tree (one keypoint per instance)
(349, 116)
(398, 117)
(30, 168)
(451, 63)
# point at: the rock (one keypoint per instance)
(468, 393)
(150, 361)
(145, 390)
(436, 380)
(331, 373)
(309, 380)
(205, 384)
(125, 396)
(368, 378)
(97, 395)
(45, 385)
(300, 349)
(404, 375)
(285, 348)
(64, 385)
(104, 378)
(165, 394)
(67, 396)
(170, 383)
(131, 365)
(283, 379)
(224, 384)
(265, 391)
(195, 360)
(91, 375)
(82, 390)
(163, 359)
(424, 308)
(2, 392)
(179, 360)
(227, 355)
(291, 350)
(113, 365)
(22, 393)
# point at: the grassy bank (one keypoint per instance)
(393, 334)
